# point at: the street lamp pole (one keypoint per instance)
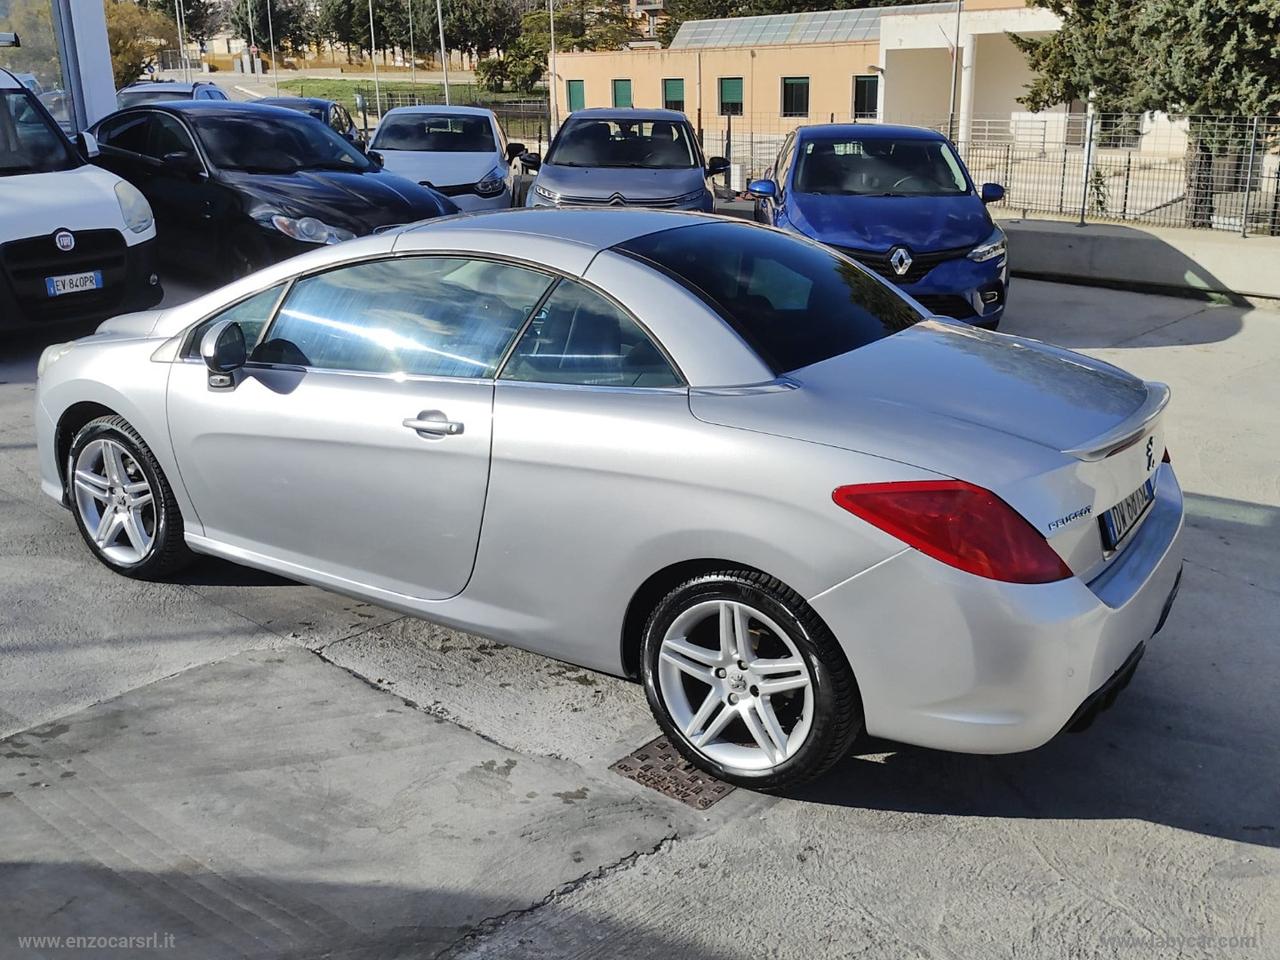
(555, 106)
(955, 68)
(413, 66)
(444, 54)
(271, 38)
(373, 59)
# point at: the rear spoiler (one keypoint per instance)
(1128, 430)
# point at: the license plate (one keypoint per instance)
(73, 283)
(1119, 520)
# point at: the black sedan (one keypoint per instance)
(237, 186)
(329, 112)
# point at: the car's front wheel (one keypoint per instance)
(123, 504)
(747, 681)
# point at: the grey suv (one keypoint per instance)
(624, 157)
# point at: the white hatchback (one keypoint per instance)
(458, 151)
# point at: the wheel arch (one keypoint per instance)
(657, 586)
(69, 424)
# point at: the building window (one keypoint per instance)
(673, 95)
(622, 93)
(866, 96)
(730, 96)
(795, 96)
(575, 94)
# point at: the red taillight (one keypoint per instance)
(1165, 458)
(962, 525)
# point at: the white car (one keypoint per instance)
(77, 243)
(458, 151)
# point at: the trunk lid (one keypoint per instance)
(1037, 425)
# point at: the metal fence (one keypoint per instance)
(1220, 173)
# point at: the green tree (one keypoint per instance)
(202, 18)
(479, 26)
(1200, 58)
(291, 22)
(134, 36)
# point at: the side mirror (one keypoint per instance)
(532, 161)
(764, 189)
(992, 193)
(88, 145)
(223, 349)
(182, 162)
(375, 157)
(716, 165)
(514, 150)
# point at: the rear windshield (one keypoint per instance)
(133, 98)
(651, 144)
(439, 133)
(794, 302)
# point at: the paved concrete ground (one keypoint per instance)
(193, 759)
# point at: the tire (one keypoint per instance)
(123, 504)
(716, 713)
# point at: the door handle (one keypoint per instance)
(433, 423)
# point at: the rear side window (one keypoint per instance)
(428, 316)
(793, 301)
(128, 132)
(580, 337)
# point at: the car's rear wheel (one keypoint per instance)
(123, 505)
(747, 681)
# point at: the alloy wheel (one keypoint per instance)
(735, 685)
(115, 501)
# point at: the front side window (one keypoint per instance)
(435, 133)
(730, 96)
(29, 141)
(167, 136)
(651, 144)
(252, 315)
(796, 303)
(582, 338)
(242, 141)
(908, 167)
(426, 316)
(795, 96)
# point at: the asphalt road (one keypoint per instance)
(259, 768)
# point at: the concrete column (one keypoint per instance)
(967, 78)
(86, 58)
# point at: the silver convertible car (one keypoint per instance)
(717, 458)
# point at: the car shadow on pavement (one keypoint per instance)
(215, 572)
(1191, 743)
(206, 912)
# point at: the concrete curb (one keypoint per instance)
(1192, 263)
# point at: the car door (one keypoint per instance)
(356, 443)
(122, 148)
(182, 197)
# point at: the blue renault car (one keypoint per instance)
(900, 202)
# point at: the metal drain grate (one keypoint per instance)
(659, 766)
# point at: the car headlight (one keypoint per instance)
(548, 195)
(994, 246)
(695, 196)
(49, 356)
(133, 207)
(493, 183)
(309, 229)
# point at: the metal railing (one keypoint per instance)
(1220, 173)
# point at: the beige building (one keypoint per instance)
(768, 74)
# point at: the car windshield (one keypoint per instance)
(435, 133)
(133, 98)
(279, 144)
(879, 167)
(795, 302)
(29, 141)
(650, 144)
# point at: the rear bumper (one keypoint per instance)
(951, 661)
(133, 286)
